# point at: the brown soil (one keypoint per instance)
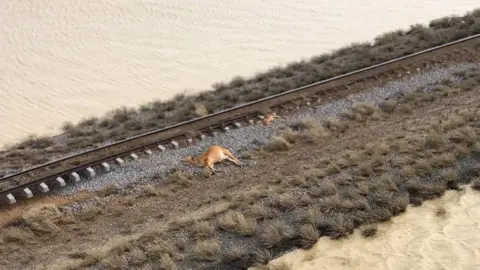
(127, 122)
(71, 237)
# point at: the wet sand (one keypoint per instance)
(417, 239)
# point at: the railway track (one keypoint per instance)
(56, 174)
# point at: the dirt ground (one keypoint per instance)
(81, 238)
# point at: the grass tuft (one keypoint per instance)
(277, 144)
(275, 232)
(235, 221)
(369, 231)
(206, 250)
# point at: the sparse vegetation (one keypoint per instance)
(237, 222)
(206, 250)
(277, 144)
(126, 122)
(440, 211)
(369, 231)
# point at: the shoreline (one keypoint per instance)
(125, 122)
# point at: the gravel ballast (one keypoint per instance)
(249, 138)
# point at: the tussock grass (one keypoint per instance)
(443, 160)
(275, 232)
(284, 202)
(206, 250)
(89, 213)
(277, 144)
(364, 108)
(433, 140)
(108, 190)
(335, 124)
(369, 231)
(465, 135)
(335, 225)
(17, 235)
(261, 211)
(308, 235)
(388, 106)
(235, 221)
(203, 229)
(324, 188)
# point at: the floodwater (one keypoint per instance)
(66, 60)
(417, 239)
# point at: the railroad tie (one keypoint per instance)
(43, 188)
(74, 177)
(90, 172)
(9, 199)
(26, 193)
(60, 182)
(105, 166)
(120, 162)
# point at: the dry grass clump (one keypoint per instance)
(335, 124)
(315, 174)
(235, 221)
(332, 168)
(440, 211)
(206, 250)
(423, 166)
(452, 122)
(35, 142)
(443, 160)
(369, 231)
(151, 191)
(203, 229)
(43, 218)
(298, 181)
(261, 211)
(335, 225)
(364, 108)
(324, 188)
(308, 236)
(275, 233)
(433, 141)
(461, 151)
(465, 135)
(19, 235)
(108, 190)
(284, 201)
(89, 213)
(305, 123)
(289, 135)
(277, 144)
(388, 106)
